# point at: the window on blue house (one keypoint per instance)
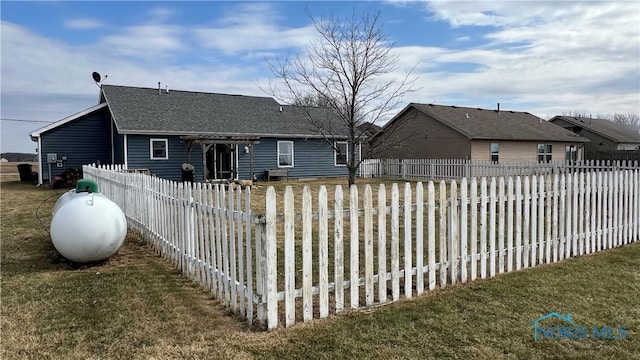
(285, 153)
(340, 153)
(159, 149)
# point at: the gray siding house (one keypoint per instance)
(606, 137)
(223, 136)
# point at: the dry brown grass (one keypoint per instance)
(11, 168)
(136, 306)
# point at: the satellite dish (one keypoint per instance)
(96, 77)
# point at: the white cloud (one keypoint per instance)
(83, 24)
(545, 58)
(252, 27)
(145, 41)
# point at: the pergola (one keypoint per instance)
(206, 141)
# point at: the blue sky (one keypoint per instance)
(546, 58)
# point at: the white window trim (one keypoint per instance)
(166, 144)
(278, 154)
(335, 153)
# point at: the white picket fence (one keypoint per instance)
(429, 169)
(321, 253)
(204, 229)
(328, 258)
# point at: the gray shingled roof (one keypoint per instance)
(616, 132)
(476, 123)
(144, 111)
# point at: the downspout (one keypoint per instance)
(360, 157)
(126, 153)
(40, 181)
(113, 150)
(237, 171)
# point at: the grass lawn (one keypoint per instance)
(135, 306)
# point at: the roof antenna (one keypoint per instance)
(159, 89)
(498, 108)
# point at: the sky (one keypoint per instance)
(546, 58)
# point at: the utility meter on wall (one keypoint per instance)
(52, 158)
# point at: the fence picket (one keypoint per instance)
(289, 258)
(307, 255)
(431, 234)
(443, 234)
(368, 245)
(464, 203)
(271, 259)
(354, 246)
(518, 219)
(323, 252)
(555, 218)
(473, 239)
(483, 228)
(510, 220)
(338, 249)
(382, 244)
(395, 243)
(453, 238)
(419, 239)
(541, 217)
(232, 250)
(408, 281)
(492, 227)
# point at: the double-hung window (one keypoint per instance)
(159, 149)
(285, 154)
(340, 152)
(495, 149)
(571, 153)
(544, 153)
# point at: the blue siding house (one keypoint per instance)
(222, 136)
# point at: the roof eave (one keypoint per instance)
(196, 133)
(580, 140)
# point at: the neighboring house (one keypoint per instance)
(426, 131)
(367, 131)
(223, 136)
(605, 136)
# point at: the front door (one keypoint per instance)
(221, 161)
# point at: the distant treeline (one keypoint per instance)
(19, 157)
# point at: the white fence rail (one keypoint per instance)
(426, 169)
(319, 253)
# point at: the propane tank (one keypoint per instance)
(86, 225)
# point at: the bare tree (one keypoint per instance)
(626, 119)
(348, 67)
(618, 118)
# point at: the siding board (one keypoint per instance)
(83, 141)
